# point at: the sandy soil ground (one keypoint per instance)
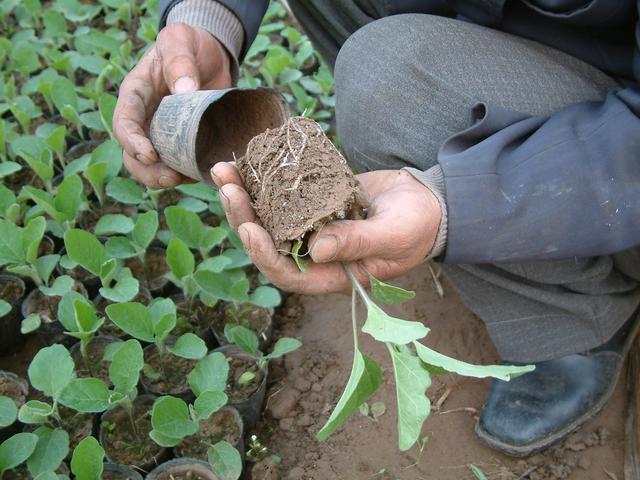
(306, 385)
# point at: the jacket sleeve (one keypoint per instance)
(522, 188)
(249, 12)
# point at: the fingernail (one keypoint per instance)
(165, 181)
(184, 84)
(324, 249)
(244, 235)
(214, 177)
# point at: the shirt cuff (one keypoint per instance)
(215, 19)
(433, 179)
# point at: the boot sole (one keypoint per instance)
(525, 450)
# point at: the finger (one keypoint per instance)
(350, 240)
(237, 205)
(137, 97)
(178, 58)
(157, 175)
(225, 172)
(283, 272)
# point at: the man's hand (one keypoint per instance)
(399, 232)
(183, 59)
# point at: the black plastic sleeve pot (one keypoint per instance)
(174, 369)
(250, 407)
(115, 471)
(13, 290)
(182, 469)
(265, 333)
(200, 319)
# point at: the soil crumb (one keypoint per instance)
(298, 180)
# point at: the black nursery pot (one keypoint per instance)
(200, 318)
(225, 424)
(260, 321)
(116, 436)
(182, 469)
(16, 388)
(95, 351)
(114, 471)
(247, 399)
(152, 273)
(12, 291)
(175, 370)
(51, 330)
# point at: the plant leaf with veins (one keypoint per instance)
(388, 294)
(386, 328)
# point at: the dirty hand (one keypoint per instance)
(399, 232)
(183, 59)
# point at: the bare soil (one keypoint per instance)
(222, 425)
(173, 372)
(304, 388)
(151, 273)
(11, 289)
(236, 391)
(297, 180)
(16, 390)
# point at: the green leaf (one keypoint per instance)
(67, 310)
(34, 412)
(388, 294)
(189, 346)
(11, 251)
(64, 94)
(85, 249)
(185, 225)
(124, 290)
(215, 284)
(125, 190)
(7, 168)
(116, 223)
(244, 338)
(501, 372)
(265, 297)
(96, 174)
(300, 261)
(363, 381)
(225, 461)
(87, 460)
(215, 264)
(106, 106)
(86, 395)
(85, 316)
(145, 229)
(208, 403)
(163, 440)
(120, 247)
(8, 411)
(126, 364)
(133, 318)
(170, 417)
(413, 404)
(44, 200)
(386, 328)
(210, 374)
(30, 324)
(69, 197)
(283, 346)
(50, 451)
(61, 286)
(16, 450)
(45, 266)
(51, 370)
(180, 259)
(4, 308)
(162, 328)
(479, 474)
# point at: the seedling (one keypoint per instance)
(85, 249)
(124, 372)
(63, 205)
(87, 460)
(133, 238)
(154, 324)
(188, 227)
(247, 341)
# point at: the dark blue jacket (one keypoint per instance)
(524, 188)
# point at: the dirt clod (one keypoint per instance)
(298, 180)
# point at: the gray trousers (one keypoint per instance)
(404, 84)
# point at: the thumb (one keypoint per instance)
(347, 240)
(178, 56)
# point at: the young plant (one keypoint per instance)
(63, 205)
(85, 250)
(124, 372)
(154, 324)
(413, 364)
(188, 227)
(248, 341)
(139, 234)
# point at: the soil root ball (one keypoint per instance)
(298, 181)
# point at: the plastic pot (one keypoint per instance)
(199, 316)
(108, 327)
(12, 291)
(174, 369)
(16, 388)
(225, 424)
(246, 399)
(51, 330)
(182, 469)
(152, 273)
(148, 454)
(193, 131)
(114, 471)
(257, 319)
(95, 351)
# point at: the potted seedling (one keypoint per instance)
(46, 459)
(83, 248)
(168, 360)
(192, 429)
(224, 463)
(247, 379)
(125, 427)
(12, 290)
(301, 163)
(109, 328)
(188, 227)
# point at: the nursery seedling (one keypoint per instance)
(248, 341)
(188, 227)
(172, 419)
(85, 249)
(124, 372)
(139, 234)
(51, 449)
